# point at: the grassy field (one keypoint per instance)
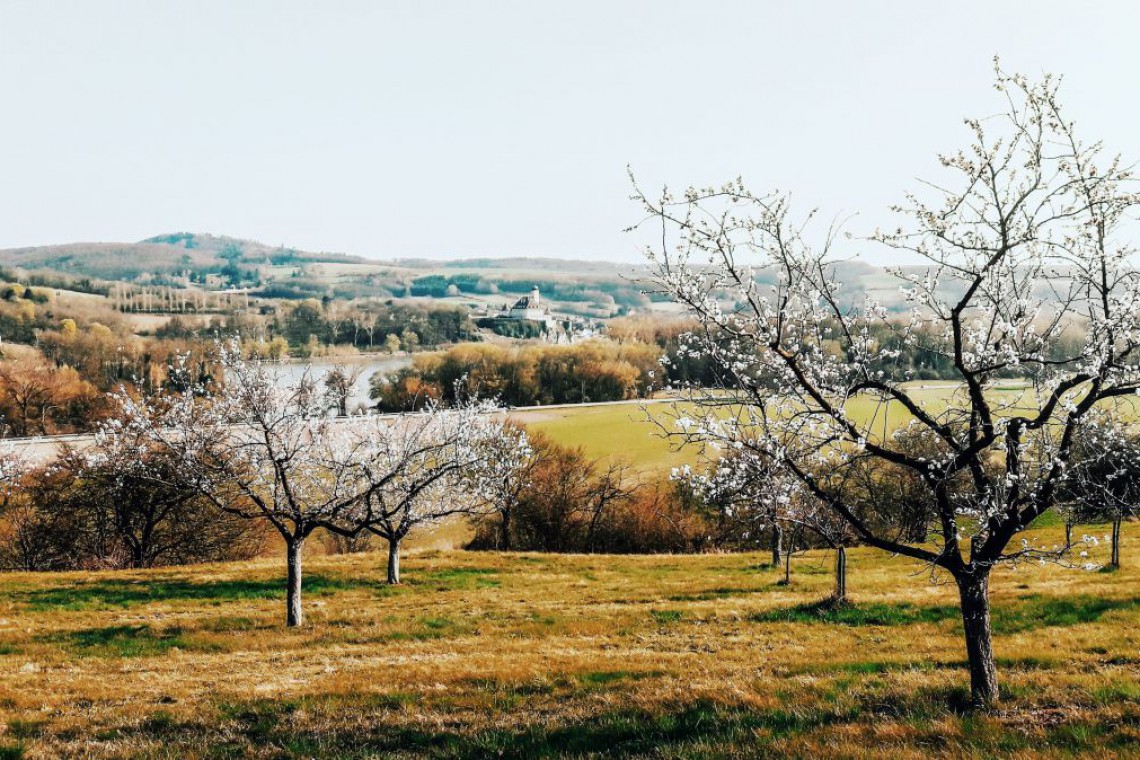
(617, 431)
(521, 655)
(627, 432)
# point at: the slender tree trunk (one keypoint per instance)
(393, 561)
(1068, 533)
(777, 545)
(293, 615)
(1115, 562)
(788, 564)
(505, 531)
(973, 590)
(841, 574)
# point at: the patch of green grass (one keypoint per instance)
(720, 592)
(1024, 663)
(1047, 519)
(1029, 613)
(424, 629)
(1033, 611)
(618, 733)
(862, 614)
(1127, 691)
(460, 578)
(26, 729)
(666, 616)
(126, 641)
(160, 722)
(109, 594)
(12, 752)
(870, 667)
(394, 700)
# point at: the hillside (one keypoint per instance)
(525, 655)
(583, 287)
(163, 254)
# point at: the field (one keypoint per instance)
(613, 431)
(627, 431)
(522, 655)
(525, 655)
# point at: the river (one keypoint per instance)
(291, 371)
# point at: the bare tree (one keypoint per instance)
(22, 543)
(1024, 242)
(339, 384)
(609, 487)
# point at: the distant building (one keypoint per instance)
(529, 307)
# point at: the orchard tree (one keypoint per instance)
(755, 496)
(421, 468)
(1026, 243)
(506, 473)
(1104, 483)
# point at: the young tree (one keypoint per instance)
(608, 488)
(420, 469)
(506, 473)
(755, 496)
(1104, 483)
(1025, 244)
(392, 343)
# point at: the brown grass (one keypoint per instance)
(524, 655)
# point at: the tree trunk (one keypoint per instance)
(973, 590)
(293, 615)
(841, 574)
(1115, 562)
(788, 564)
(393, 561)
(777, 545)
(1068, 533)
(505, 531)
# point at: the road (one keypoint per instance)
(39, 449)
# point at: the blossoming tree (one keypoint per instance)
(422, 468)
(1104, 483)
(1024, 243)
(754, 495)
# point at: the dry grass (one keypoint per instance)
(523, 655)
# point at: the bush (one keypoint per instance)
(572, 504)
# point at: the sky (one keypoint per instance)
(466, 129)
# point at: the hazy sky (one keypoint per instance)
(456, 129)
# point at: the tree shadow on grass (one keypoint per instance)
(361, 726)
(861, 614)
(1028, 613)
(112, 593)
(620, 733)
(127, 641)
